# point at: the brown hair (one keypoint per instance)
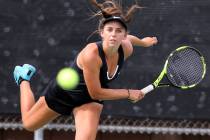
(110, 8)
(113, 8)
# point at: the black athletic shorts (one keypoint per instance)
(62, 101)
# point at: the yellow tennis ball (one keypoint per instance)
(67, 78)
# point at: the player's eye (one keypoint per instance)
(118, 30)
(109, 29)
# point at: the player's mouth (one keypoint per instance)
(112, 40)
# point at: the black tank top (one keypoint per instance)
(104, 76)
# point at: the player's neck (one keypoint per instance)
(110, 51)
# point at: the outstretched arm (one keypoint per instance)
(144, 42)
(91, 63)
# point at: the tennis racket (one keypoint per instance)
(184, 68)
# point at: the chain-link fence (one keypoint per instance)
(121, 125)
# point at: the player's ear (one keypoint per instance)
(101, 33)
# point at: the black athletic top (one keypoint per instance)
(104, 76)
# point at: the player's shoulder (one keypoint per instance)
(127, 47)
(90, 53)
(92, 45)
(91, 49)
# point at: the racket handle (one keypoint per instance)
(148, 89)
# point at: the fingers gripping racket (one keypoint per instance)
(184, 68)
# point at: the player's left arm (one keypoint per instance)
(144, 42)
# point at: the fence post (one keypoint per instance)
(39, 134)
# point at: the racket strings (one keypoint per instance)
(185, 67)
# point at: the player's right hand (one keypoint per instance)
(135, 95)
(24, 72)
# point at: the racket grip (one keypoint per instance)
(148, 89)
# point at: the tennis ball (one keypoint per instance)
(67, 78)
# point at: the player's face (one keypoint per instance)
(113, 33)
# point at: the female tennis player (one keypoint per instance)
(98, 63)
